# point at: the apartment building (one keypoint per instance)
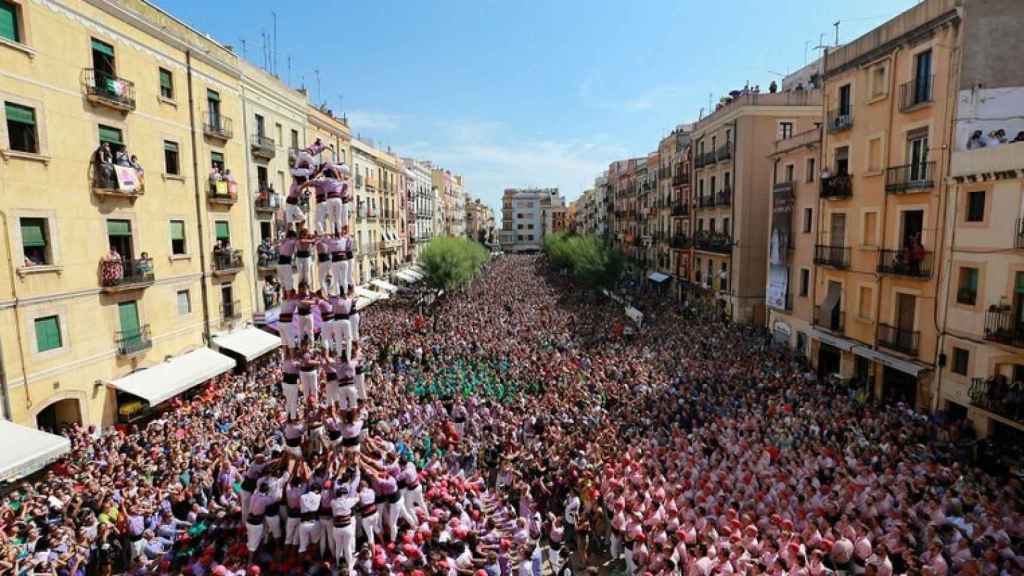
(367, 171)
(479, 221)
(527, 215)
(391, 242)
(114, 269)
(421, 204)
(731, 198)
(682, 213)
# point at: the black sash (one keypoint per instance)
(284, 259)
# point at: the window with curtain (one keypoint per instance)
(48, 334)
(10, 28)
(22, 134)
(34, 241)
(178, 246)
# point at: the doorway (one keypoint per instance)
(829, 360)
(227, 301)
(899, 386)
(911, 227)
(104, 70)
(60, 413)
(837, 229)
(119, 237)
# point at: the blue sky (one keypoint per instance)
(532, 93)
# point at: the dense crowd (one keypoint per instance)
(518, 431)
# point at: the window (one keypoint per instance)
(184, 303)
(723, 278)
(790, 173)
(805, 281)
(166, 84)
(808, 220)
(35, 241)
(223, 233)
(213, 108)
(295, 139)
(10, 27)
(811, 169)
(864, 302)
(48, 334)
(178, 245)
(217, 159)
(519, 226)
(960, 359)
(279, 131)
(875, 155)
(967, 286)
(171, 161)
(844, 100)
(976, 206)
(879, 81)
(21, 128)
(870, 232)
(262, 178)
(111, 136)
(785, 130)
(725, 227)
(260, 126)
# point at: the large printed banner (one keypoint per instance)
(127, 178)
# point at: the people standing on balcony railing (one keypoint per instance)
(111, 268)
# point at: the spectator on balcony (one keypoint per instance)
(103, 158)
(145, 265)
(134, 163)
(1019, 137)
(265, 253)
(915, 253)
(121, 158)
(112, 267)
(269, 292)
(977, 140)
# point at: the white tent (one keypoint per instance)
(384, 285)
(168, 379)
(370, 295)
(250, 342)
(24, 450)
(405, 276)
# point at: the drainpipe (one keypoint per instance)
(257, 302)
(198, 198)
(17, 324)
(952, 91)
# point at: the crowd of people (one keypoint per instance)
(517, 432)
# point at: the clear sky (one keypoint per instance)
(530, 93)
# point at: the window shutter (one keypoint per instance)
(20, 114)
(217, 157)
(103, 48)
(165, 79)
(119, 228)
(177, 230)
(222, 230)
(47, 333)
(170, 147)
(110, 135)
(9, 21)
(32, 232)
(212, 96)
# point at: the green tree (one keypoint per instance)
(450, 263)
(590, 261)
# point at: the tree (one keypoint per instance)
(450, 263)
(591, 262)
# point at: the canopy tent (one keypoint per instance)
(384, 285)
(370, 295)
(405, 276)
(168, 379)
(362, 302)
(658, 277)
(24, 450)
(906, 366)
(249, 342)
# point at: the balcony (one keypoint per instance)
(105, 182)
(899, 339)
(105, 89)
(834, 256)
(230, 310)
(1003, 326)
(916, 94)
(840, 120)
(905, 262)
(125, 275)
(718, 242)
(707, 201)
(266, 201)
(681, 209)
(263, 147)
(724, 152)
(837, 187)
(227, 262)
(219, 197)
(266, 262)
(681, 179)
(997, 395)
(836, 321)
(910, 178)
(133, 342)
(218, 126)
(724, 198)
(681, 242)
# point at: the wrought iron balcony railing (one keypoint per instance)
(905, 262)
(130, 342)
(916, 93)
(909, 178)
(838, 186)
(108, 90)
(840, 120)
(834, 256)
(900, 339)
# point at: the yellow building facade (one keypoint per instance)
(77, 75)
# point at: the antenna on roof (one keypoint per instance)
(274, 14)
(837, 32)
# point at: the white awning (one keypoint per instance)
(370, 295)
(362, 302)
(24, 450)
(841, 343)
(404, 276)
(249, 342)
(415, 274)
(384, 285)
(170, 378)
(657, 277)
(906, 366)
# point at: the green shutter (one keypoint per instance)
(222, 230)
(212, 96)
(972, 279)
(47, 333)
(177, 230)
(119, 228)
(33, 232)
(170, 147)
(129, 313)
(110, 135)
(20, 114)
(103, 48)
(217, 158)
(1020, 283)
(165, 80)
(9, 21)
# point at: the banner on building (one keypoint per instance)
(778, 286)
(782, 225)
(127, 178)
